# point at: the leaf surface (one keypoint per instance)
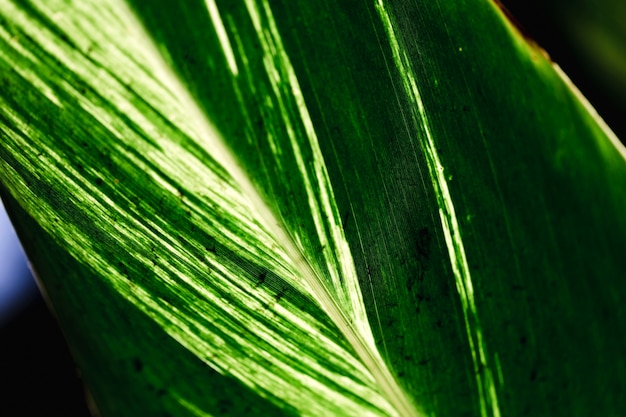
(339, 208)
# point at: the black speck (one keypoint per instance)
(422, 297)
(281, 293)
(344, 219)
(422, 256)
(123, 268)
(224, 406)
(262, 277)
(423, 242)
(98, 181)
(137, 364)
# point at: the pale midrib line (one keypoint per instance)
(219, 150)
(163, 313)
(357, 330)
(143, 300)
(449, 222)
(142, 232)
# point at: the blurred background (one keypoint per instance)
(37, 372)
(587, 39)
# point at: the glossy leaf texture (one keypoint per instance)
(315, 208)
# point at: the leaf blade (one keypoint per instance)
(401, 257)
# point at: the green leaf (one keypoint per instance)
(330, 208)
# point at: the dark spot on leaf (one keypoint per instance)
(522, 340)
(344, 219)
(123, 268)
(262, 276)
(424, 239)
(137, 364)
(423, 242)
(224, 406)
(422, 297)
(210, 245)
(281, 293)
(533, 375)
(189, 58)
(98, 181)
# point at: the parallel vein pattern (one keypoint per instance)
(419, 122)
(124, 162)
(248, 208)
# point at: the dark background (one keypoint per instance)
(586, 39)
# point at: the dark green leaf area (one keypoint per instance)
(534, 185)
(384, 193)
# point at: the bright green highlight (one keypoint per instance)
(267, 208)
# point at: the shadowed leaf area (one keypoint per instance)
(268, 208)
